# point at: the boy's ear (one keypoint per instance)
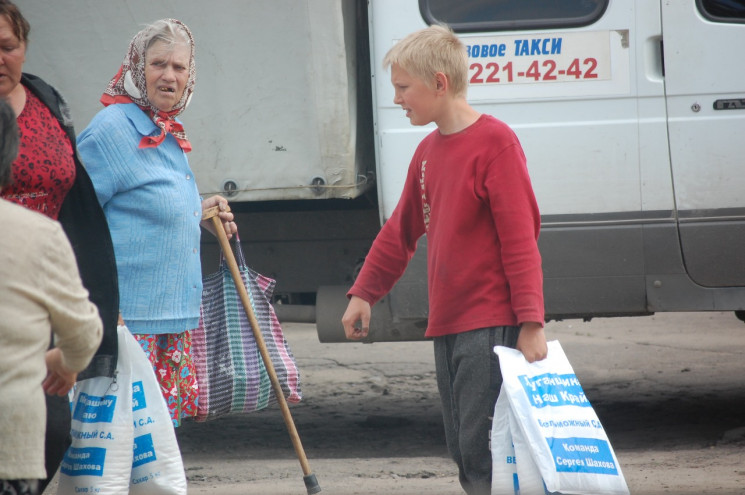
(441, 82)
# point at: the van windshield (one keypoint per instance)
(495, 15)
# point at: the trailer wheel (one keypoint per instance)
(331, 302)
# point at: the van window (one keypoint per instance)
(502, 15)
(723, 10)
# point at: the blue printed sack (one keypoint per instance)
(99, 460)
(123, 441)
(546, 437)
(157, 468)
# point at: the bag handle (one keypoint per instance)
(211, 213)
(241, 258)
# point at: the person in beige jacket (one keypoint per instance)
(40, 294)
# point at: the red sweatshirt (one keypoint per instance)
(471, 194)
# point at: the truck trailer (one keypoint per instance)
(631, 114)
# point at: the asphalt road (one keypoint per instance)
(669, 390)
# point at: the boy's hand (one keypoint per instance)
(358, 310)
(59, 379)
(532, 341)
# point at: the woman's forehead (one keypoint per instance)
(6, 30)
(162, 49)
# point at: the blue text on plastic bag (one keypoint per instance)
(582, 455)
(94, 409)
(144, 451)
(88, 461)
(138, 396)
(551, 389)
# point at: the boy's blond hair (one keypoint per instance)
(430, 50)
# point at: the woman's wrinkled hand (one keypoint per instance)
(59, 378)
(226, 216)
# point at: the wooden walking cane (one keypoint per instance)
(311, 484)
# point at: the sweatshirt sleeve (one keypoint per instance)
(394, 245)
(517, 221)
(74, 319)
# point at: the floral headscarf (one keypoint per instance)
(129, 86)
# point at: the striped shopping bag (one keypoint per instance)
(231, 375)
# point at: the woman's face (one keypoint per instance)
(12, 56)
(166, 74)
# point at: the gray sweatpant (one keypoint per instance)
(469, 379)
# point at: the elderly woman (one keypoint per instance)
(41, 292)
(135, 152)
(48, 177)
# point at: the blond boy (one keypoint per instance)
(469, 191)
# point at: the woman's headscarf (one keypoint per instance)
(129, 85)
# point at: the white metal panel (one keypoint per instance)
(705, 85)
(391, 20)
(654, 158)
(703, 64)
(274, 104)
(591, 146)
(396, 149)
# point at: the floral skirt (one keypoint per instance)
(170, 355)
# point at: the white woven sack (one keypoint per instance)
(157, 468)
(99, 460)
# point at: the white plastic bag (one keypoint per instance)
(510, 477)
(157, 468)
(123, 440)
(99, 460)
(558, 445)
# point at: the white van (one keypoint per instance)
(631, 114)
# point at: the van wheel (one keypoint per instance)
(740, 314)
